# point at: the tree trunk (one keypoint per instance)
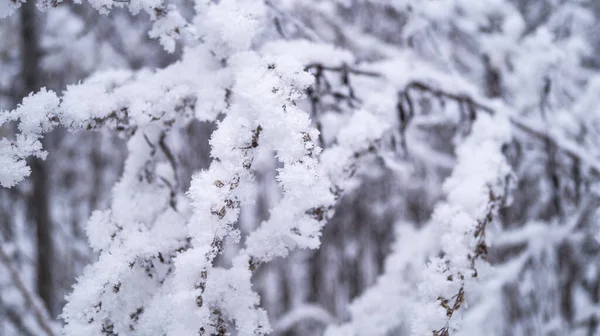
(38, 200)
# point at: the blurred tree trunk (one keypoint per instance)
(38, 199)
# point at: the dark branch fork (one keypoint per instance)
(406, 110)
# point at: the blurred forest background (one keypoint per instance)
(42, 219)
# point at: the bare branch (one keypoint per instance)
(40, 313)
(566, 146)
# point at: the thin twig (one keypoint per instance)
(308, 32)
(172, 161)
(40, 313)
(343, 68)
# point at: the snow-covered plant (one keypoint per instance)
(475, 192)
(474, 94)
